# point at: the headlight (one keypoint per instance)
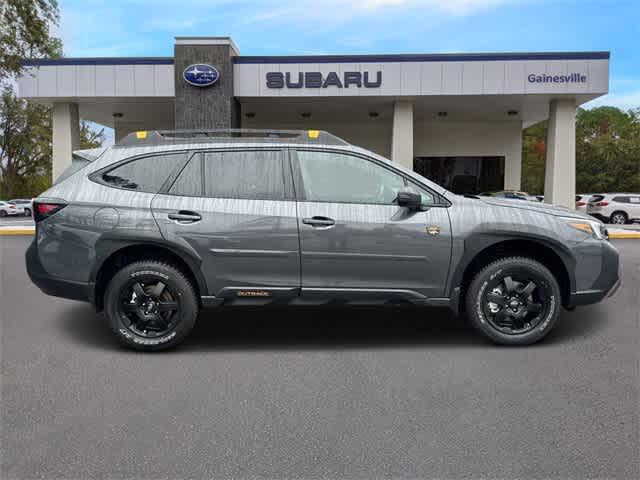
(594, 228)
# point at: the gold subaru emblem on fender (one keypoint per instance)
(433, 230)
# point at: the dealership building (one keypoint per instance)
(455, 118)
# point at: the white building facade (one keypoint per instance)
(456, 118)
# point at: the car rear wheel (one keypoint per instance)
(514, 301)
(27, 212)
(618, 218)
(151, 305)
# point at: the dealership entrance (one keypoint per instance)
(457, 118)
(463, 175)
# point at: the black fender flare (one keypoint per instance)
(476, 243)
(110, 244)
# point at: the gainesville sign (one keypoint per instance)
(318, 80)
(543, 78)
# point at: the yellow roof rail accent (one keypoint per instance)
(314, 134)
(141, 135)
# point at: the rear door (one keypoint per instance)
(236, 209)
(355, 241)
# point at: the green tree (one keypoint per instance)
(25, 32)
(607, 151)
(25, 146)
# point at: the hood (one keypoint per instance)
(540, 207)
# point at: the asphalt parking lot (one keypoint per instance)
(317, 393)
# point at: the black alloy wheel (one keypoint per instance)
(514, 301)
(515, 304)
(151, 305)
(149, 308)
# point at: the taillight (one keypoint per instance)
(602, 204)
(580, 204)
(45, 210)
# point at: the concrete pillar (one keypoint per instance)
(66, 135)
(402, 134)
(560, 168)
(205, 107)
(513, 164)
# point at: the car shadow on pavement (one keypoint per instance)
(318, 328)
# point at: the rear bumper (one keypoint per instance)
(51, 285)
(607, 282)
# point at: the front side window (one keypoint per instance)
(343, 178)
(253, 174)
(146, 174)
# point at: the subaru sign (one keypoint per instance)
(200, 75)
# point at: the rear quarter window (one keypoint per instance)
(146, 174)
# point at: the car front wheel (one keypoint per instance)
(27, 212)
(151, 305)
(514, 301)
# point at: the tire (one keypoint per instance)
(618, 218)
(3, 214)
(532, 312)
(132, 294)
(27, 212)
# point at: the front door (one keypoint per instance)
(236, 210)
(355, 240)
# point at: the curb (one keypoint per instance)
(8, 231)
(627, 235)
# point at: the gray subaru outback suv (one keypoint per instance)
(163, 224)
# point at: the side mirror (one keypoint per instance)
(413, 201)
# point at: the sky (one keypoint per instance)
(93, 28)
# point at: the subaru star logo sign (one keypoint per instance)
(200, 75)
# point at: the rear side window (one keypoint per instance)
(622, 199)
(257, 174)
(146, 174)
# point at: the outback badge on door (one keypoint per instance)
(433, 230)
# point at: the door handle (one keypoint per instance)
(185, 217)
(319, 222)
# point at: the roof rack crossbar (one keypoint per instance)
(229, 135)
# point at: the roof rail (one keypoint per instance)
(237, 135)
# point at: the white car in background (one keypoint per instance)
(25, 203)
(616, 208)
(7, 209)
(581, 201)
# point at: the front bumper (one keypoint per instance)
(606, 283)
(51, 285)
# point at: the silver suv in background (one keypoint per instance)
(25, 203)
(164, 224)
(616, 208)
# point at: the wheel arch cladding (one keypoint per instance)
(490, 248)
(113, 255)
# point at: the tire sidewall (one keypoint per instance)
(477, 291)
(624, 218)
(151, 271)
